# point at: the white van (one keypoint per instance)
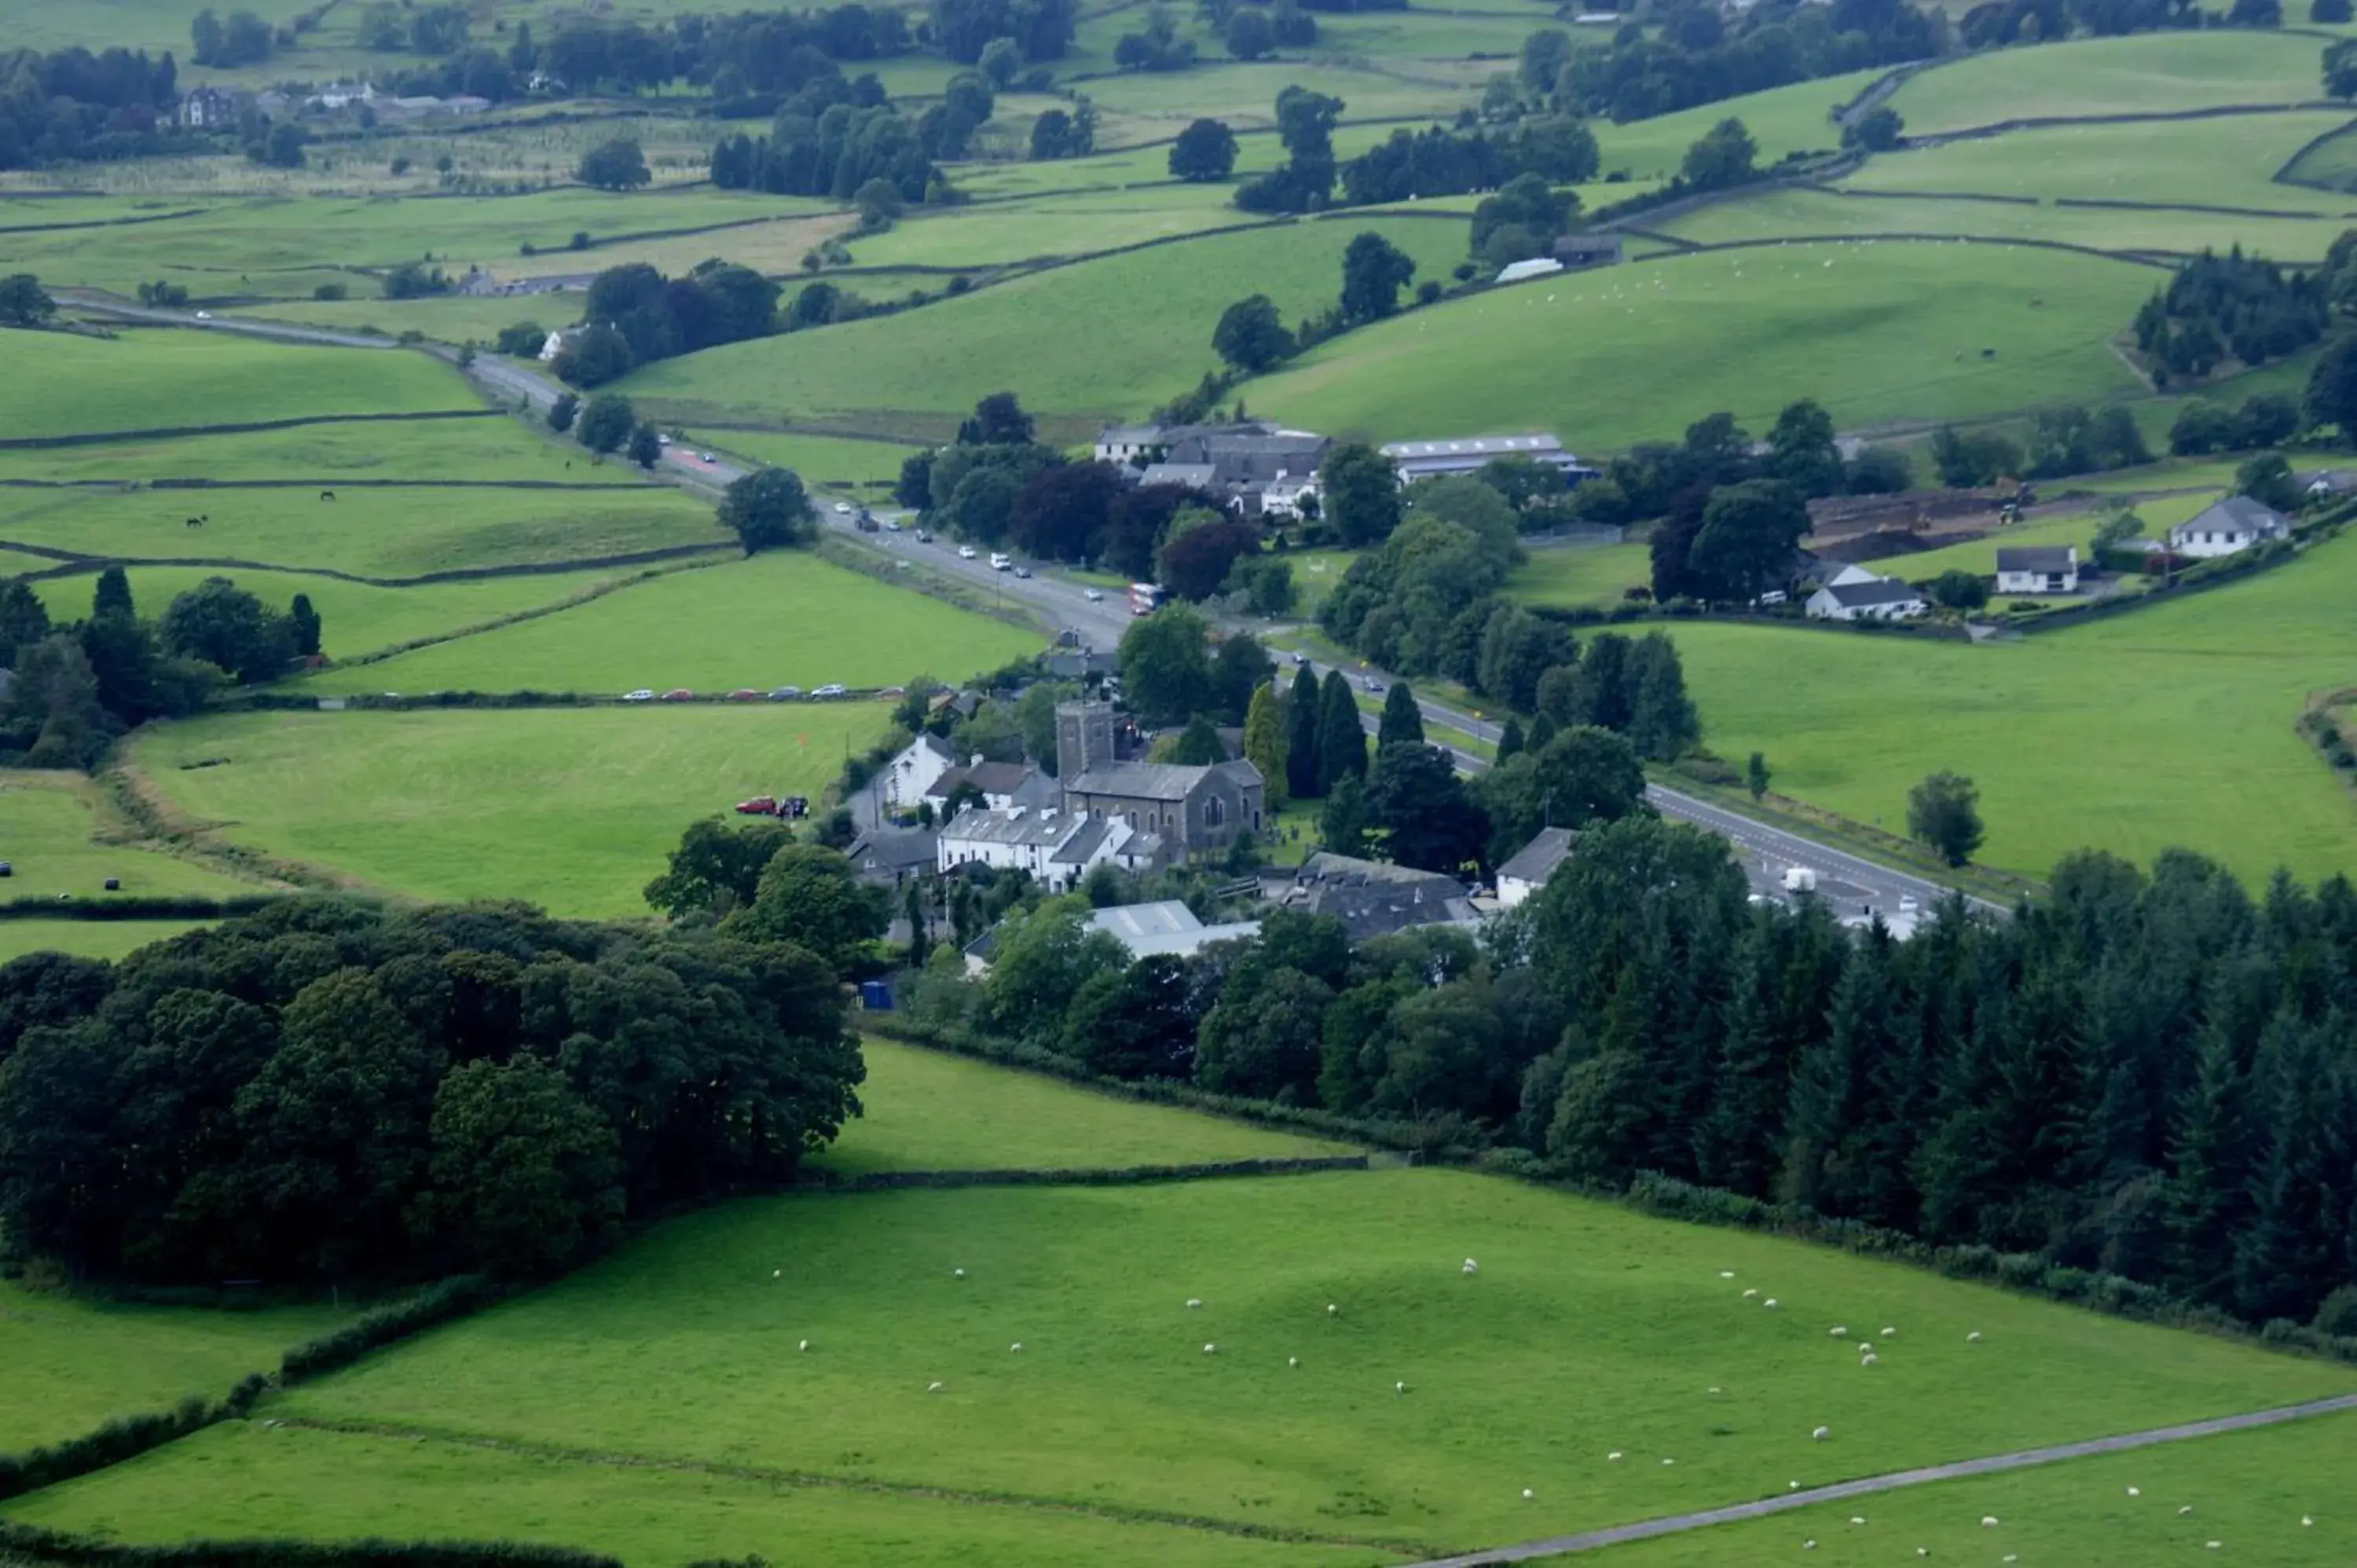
(1001, 562)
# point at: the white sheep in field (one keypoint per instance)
(1792, 1486)
(1821, 1433)
(1016, 1348)
(1292, 1360)
(1528, 1494)
(803, 1346)
(1891, 1333)
(1973, 1337)
(777, 1273)
(2213, 1545)
(1769, 1304)
(1471, 1267)
(1209, 1349)
(933, 1388)
(1869, 1359)
(1749, 1293)
(1856, 1518)
(1332, 1310)
(1194, 1300)
(1399, 1388)
(2135, 1491)
(1808, 1546)
(1669, 1461)
(1727, 1273)
(1988, 1521)
(957, 1273)
(1614, 1456)
(1838, 1331)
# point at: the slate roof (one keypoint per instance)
(1188, 475)
(1536, 861)
(2046, 560)
(1019, 828)
(1862, 595)
(1374, 898)
(893, 850)
(990, 777)
(1154, 781)
(2237, 514)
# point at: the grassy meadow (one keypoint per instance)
(2248, 1491)
(824, 462)
(1638, 352)
(573, 810)
(2144, 74)
(2228, 162)
(86, 939)
(1582, 576)
(62, 840)
(1589, 1330)
(2131, 734)
(502, 450)
(74, 1362)
(930, 1110)
(64, 384)
(776, 619)
(1101, 339)
(388, 532)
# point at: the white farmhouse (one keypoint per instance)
(2235, 523)
(2039, 569)
(1528, 870)
(1882, 598)
(905, 779)
(1057, 848)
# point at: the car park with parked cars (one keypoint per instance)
(643, 694)
(830, 690)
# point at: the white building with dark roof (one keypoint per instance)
(1435, 460)
(1057, 848)
(2037, 569)
(1882, 598)
(1530, 866)
(2232, 524)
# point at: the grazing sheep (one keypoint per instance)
(1471, 1267)
(1669, 1461)
(932, 1387)
(803, 1346)
(1808, 1546)
(1988, 1521)
(1727, 1273)
(2213, 1545)
(1399, 1388)
(1749, 1293)
(1292, 1360)
(777, 1273)
(1869, 1360)
(2306, 1522)
(1528, 1494)
(1331, 1309)
(1855, 1519)
(2135, 1491)
(1821, 1433)
(1889, 1333)
(1209, 1349)
(2186, 1510)
(1769, 1304)
(2012, 1557)
(1838, 1331)
(1194, 1300)
(1713, 1390)
(1016, 1348)
(957, 1273)
(1973, 1337)
(1614, 1456)
(1922, 1552)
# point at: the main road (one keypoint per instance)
(1853, 884)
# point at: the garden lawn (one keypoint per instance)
(2145, 73)
(386, 533)
(488, 449)
(927, 1110)
(1582, 576)
(355, 618)
(74, 1362)
(1101, 339)
(1877, 332)
(86, 939)
(2248, 1491)
(2134, 733)
(782, 619)
(243, 1479)
(62, 384)
(573, 810)
(1588, 1329)
(48, 836)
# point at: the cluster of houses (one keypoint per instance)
(2227, 527)
(220, 108)
(1102, 808)
(1261, 470)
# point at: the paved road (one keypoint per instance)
(1645, 1530)
(81, 299)
(1854, 886)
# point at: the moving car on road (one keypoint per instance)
(843, 509)
(1096, 595)
(1000, 561)
(965, 551)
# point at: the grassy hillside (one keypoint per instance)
(2228, 162)
(776, 619)
(1101, 339)
(928, 1111)
(486, 449)
(2132, 735)
(74, 1362)
(64, 384)
(572, 809)
(85, 938)
(1877, 332)
(50, 825)
(2145, 73)
(1588, 1330)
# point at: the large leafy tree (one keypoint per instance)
(809, 896)
(1420, 805)
(769, 509)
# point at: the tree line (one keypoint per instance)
(2244, 308)
(837, 139)
(636, 316)
(2151, 1074)
(74, 105)
(76, 686)
(326, 1092)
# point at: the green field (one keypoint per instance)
(379, 532)
(1582, 576)
(85, 938)
(1103, 339)
(74, 1362)
(2131, 734)
(2248, 1491)
(2222, 162)
(63, 384)
(824, 462)
(1588, 1329)
(1782, 120)
(930, 1110)
(486, 449)
(1076, 224)
(777, 619)
(50, 828)
(1637, 352)
(2142, 74)
(571, 810)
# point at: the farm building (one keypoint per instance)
(2235, 523)
(1528, 870)
(1882, 598)
(1577, 251)
(2037, 569)
(890, 856)
(1433, 459)
(1168, 928)
(1523, 271)
(1057, 848)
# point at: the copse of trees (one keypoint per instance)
(74, 105)
(2150, 1074)
(1438, 161)
(636, 316)
(1700, 55)
(829, 140)
(2245, 308)
(243, 39)
(2265, 419)
(1305, 181)
(1042, 28)
(326, 1092)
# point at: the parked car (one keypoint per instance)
(843, 509)
(204, 316)
(1023, 571)
(924, 536)
(829, 690)
(1000, 561)
(759, 806)
(1372, 684)
(743, 694)
(1096, 596)
(893, 692)
(785, 694)
(965, 551)
(641, 695)
(891, 525)
(705, 457)
(679, 695)
(1300, 658)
